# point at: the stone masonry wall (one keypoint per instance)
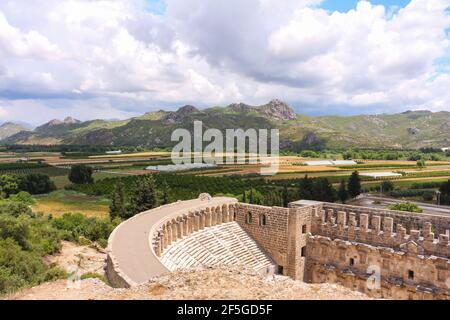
(377, 271)
(272, 237)
(325, 242)
(379, 231)
(441, 224)
(282, 235)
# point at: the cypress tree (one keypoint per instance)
(117, 207)
(251, 197)
(342, 193)
(144, 196)
(285, 196)
(305, 190)
(354, 185)
(165, 192)
(323, 190)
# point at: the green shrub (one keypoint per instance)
(14, 208)
(36, 183)
(428, 195)
(93, 275)
(407, 206)
(76, 225)
(81, 174)
(23, 197)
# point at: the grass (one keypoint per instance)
(62, 201)
(63, 181)
(407, 183)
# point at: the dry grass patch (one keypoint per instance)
(59, 202)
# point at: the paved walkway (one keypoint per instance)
(130, 242)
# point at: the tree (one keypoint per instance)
(244, 197)
(251, 197)
(9, 184)
(354, 185)
(323, 190)
(254, 196)
(81, 174)
(445, 188)
(445, 192)
(165, 189)
(342, 193)
(144, 196)
(36, 183)
(285, 196)
(118, 202)
(421, 163)
(305, 188)
(387, 186)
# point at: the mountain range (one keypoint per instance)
(408, 130)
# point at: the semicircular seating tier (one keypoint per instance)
(184, 234)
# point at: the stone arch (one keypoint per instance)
(262, 220)
(232, 212)
(248, 218)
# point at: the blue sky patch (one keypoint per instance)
(347, 5)
(156, 6)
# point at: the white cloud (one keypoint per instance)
(29, 44)
(116, 55)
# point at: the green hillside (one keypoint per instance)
(411, 129)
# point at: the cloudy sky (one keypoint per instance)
(120, 58)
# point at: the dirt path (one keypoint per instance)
(84, 259)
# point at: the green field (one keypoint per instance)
(63, 201)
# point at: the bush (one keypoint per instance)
(14, 208)
(428, 195)
(407, 206)
(81, 174)
(9, 184)
(20, 268)
(76, 225)
(22, 197)
(92, 275)
(36, 183)
(387, 186)
(409, 193)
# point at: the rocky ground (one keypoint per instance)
(79, 259)
(222, 283)
(201, 283)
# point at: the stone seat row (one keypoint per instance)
(225, 244)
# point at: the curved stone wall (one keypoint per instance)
(134, 247)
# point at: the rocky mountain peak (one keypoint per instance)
(8, 129)
(187, 109)
(180, 114)
(70, 120)
(279, 109)
(54, 122)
